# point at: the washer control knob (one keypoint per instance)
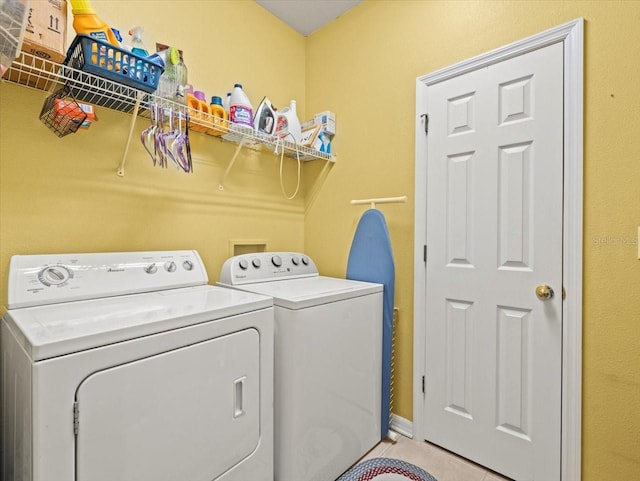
(295, 260)
(244, 265)
(188, 265)
(54, 275)
(151, 269)
(170, 266)
(256, 263)
(276, 261)
(305, 260)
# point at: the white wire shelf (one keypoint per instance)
(43, 74)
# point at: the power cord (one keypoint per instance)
(281, 164)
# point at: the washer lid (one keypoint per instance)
(59, 329)
(311, 291)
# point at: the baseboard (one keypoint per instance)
(401, 425)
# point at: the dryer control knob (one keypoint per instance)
(151, 269)
(295, 260)
(170, 266)
(276, 261)
(54, 275)
(256, 263)
(305, 260)
(188, 265)
(243, 264)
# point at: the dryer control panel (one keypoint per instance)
(266, 266)
(36, 280)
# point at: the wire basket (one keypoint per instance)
(61, 113)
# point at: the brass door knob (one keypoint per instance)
(544, 292)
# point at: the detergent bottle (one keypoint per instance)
(220, 116)
(200, 113)
(226, 102)
(87, 22)
(240, 108)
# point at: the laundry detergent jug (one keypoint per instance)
(240, 108)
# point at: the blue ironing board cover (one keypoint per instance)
(371, 260)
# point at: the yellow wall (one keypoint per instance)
(63, 195)
(371, 87)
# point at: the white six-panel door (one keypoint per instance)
(494, 234)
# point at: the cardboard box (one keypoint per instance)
(66, 108)
(322, 143)
(91, 115)
(327, 120)
(46, 31)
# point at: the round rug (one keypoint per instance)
(386, 469)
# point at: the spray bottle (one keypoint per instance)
(138, 48)
(136, 42)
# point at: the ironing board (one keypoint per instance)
(371, 260)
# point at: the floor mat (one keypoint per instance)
(386, 469)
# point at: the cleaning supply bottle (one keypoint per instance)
(182, 78)
(220, 116)
(87, 22)
(199, 116)
(193, 102)
(240, 108)
(173, 82)
(116, 32)
(138, 48)
(137, 45)
(166, 58)
(294, 129)
(226, 103)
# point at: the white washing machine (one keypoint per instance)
(128, 367)
(328, 344)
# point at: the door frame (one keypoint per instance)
(571, 34)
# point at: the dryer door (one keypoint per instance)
(187, 414)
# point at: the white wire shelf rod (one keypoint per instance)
(380, 200)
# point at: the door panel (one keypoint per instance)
(190, 413)
(494, 232)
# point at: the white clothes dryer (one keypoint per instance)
(328, 345)
(128, 367)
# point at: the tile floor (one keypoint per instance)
(441, 464)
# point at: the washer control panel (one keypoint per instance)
(266, 266)
(50, 279)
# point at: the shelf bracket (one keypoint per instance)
(134, 116)
(231, 162)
